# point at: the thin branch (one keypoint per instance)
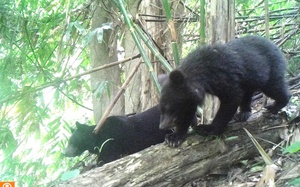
(102, 67)
(74, 101)
(288, 36)
(189, 9)
(272, 17)
(59, 81)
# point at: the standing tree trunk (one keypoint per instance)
(104, 83)
(220, 28)
(221, 21)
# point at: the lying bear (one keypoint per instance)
(119, 136)
(231, 71)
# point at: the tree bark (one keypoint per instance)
(164, 166)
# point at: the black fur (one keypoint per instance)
(231, 71)
(119, 136)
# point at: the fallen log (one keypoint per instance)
(161, 165)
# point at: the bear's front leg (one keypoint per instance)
(245, 107)
(176, 138)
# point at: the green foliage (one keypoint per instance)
(88, 36)
(101, 88)
(39, 48)
(294, 65)
(69, 175)
(250, 18)
(190, 41)
(295, 182)
(293, 148)
(9, 143)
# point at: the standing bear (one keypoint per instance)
(231, 71)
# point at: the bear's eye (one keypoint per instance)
(166, 108)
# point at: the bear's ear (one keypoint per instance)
(162, 79)
(78, 125)
(177, 77)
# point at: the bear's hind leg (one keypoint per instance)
(245, 107)
(280, 93)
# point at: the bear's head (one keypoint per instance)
(79, 141)
(178, 101)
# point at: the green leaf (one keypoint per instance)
(89, 37)
(293, 148)
(99, 35)
(69, 174)
(80, 28)
(8, 142)
(295, 182)
(101, 88)
(107, 26)
(100, 31)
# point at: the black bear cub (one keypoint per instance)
(231, 71)
(118, 137)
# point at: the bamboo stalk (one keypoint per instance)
(202, 22)
(152, 48)
(129, 23)
(171, 25)
(267, 28)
